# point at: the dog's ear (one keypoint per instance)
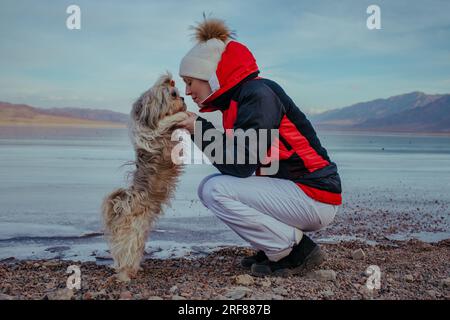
(150, 108)
(165, 80)
(136, 110)
(141, 112)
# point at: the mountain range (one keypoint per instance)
(411, 112)
(25, 115)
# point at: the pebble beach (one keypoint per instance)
(408, 270)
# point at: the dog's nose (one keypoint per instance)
(182, 98)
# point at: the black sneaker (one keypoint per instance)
(247, 262)
(304, 256)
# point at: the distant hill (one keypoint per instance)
(24, 115)
(89, 114)
(411, 112)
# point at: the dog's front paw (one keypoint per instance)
(178, 117)
(172, 120)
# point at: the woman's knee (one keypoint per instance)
(208, 188)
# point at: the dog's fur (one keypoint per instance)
(129, 213)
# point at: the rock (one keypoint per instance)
(126, 295)
(277, 281)
(99, 293)
(277, 297)
(7, 288)
(6, 297)
(327, 293)
(51, 263)
(186, 294)
(265, 283)
(409, 278)
(358, 254)
(322, 275)
(60, 294)
(445, 283)
(432, 293)
(261, 296)
(280, 291)
(367, 293)
(177, 297)
(237, 293)
(50, 286)
(245, 280)
(88, 296)
(174, 290)
(36, 265)
(155, 298)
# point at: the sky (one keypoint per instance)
(320, 52)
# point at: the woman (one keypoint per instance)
(270, 212)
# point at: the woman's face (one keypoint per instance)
(198, 89)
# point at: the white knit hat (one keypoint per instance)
(201, 61)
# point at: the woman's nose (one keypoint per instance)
(188, 91)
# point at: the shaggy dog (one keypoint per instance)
(129, 213)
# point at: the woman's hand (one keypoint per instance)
(189, 123)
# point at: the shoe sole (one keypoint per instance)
(314, 259)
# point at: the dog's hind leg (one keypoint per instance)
(128, 244)
(124, 232)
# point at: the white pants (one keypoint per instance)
(269, 213)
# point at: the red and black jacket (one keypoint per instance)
(249, 102)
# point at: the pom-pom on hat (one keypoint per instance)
(201, 61)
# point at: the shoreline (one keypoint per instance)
(409, 270)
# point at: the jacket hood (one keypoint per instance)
(236, 64)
